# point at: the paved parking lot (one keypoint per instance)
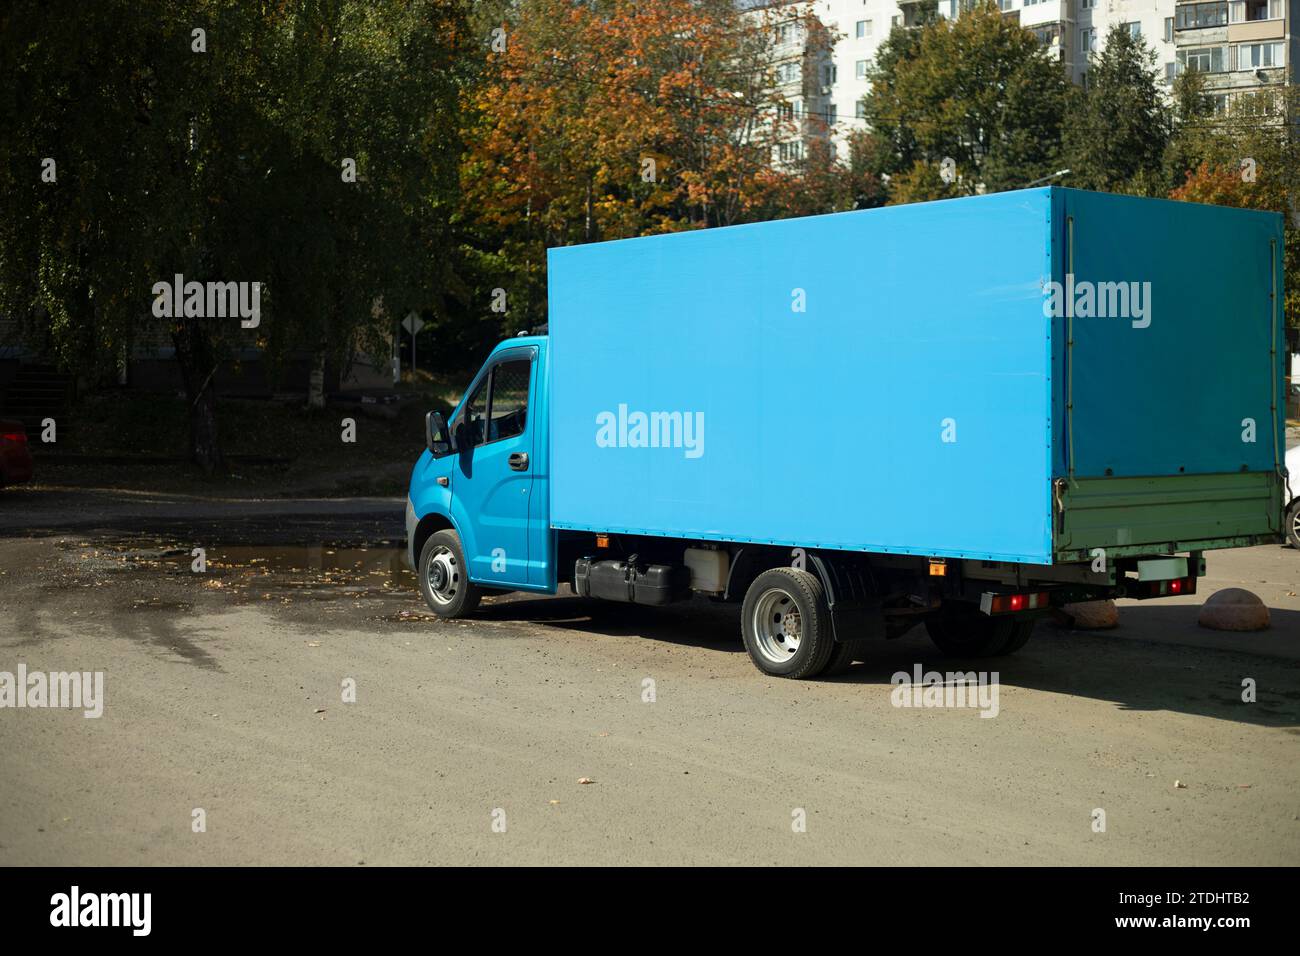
(467, 741)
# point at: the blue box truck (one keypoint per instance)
(959, 414)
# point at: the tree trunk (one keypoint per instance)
(316, 381)
(194, 354)
(589, 229)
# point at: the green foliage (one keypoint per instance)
(979, 90)
(227, 165)
(1250, 157)
(1118, 128)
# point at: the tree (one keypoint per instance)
(1193, 123)
(225, 155)
(822, 183)
(1118, 126)
(606, 120)
(1250, 158)
(977, 91)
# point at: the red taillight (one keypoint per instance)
(1008, 603)
(18, 438)
(1172, 586)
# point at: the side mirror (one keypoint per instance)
(436, 437)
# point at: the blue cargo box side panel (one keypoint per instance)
(905, 408)
(1177, 343)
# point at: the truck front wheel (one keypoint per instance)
(444, 576)
(1293, 524)
(786, 624)
(976, 635)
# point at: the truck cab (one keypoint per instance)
(483, 476)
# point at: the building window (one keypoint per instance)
(861, 69)
(1134, 29)
(1086, 4)
(1005, 5)
(1244, 11)
(787, 72)
(832, 115)
(863, 28)
(1207, 59)
(1194, 16)
(785, 112)
(829, 75)
(1169, 29)
(790, 152)
(1048, 34)
(1171, 71)
(896, 20)
(861, 110)
(1087, 40)
(1259, 56)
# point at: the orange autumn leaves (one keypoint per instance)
(608, 120)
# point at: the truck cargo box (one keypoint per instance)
(1022, 376)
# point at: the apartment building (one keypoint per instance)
(1243, 45)
(1074, 29)
(805, 76)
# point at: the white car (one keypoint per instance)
(1292, 526)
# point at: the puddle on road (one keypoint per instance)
(319, 572)
(320, 560)
(287, 572)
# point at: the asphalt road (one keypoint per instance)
(467, 741)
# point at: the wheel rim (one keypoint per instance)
(442, 575)
(1295, 525)
(777, 626)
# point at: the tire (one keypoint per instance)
(975, 635)
(1021, 632)
(843, 656)
(1292, 525)
(444, 576)
(786, 625)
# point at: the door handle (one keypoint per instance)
(519, 460)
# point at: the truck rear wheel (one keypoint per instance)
(1293, 524)
(786, 624)
(444, 576)
(976, 635)
(843, 656)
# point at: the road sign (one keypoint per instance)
(412, 323)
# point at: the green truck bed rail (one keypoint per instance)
(1166, 514)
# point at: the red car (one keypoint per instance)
(15, 458)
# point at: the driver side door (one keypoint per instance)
(492, 477)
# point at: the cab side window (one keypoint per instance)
(475, 414)
(510, 399)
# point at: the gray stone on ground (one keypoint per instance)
(1093, 615)
(1234, 609)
